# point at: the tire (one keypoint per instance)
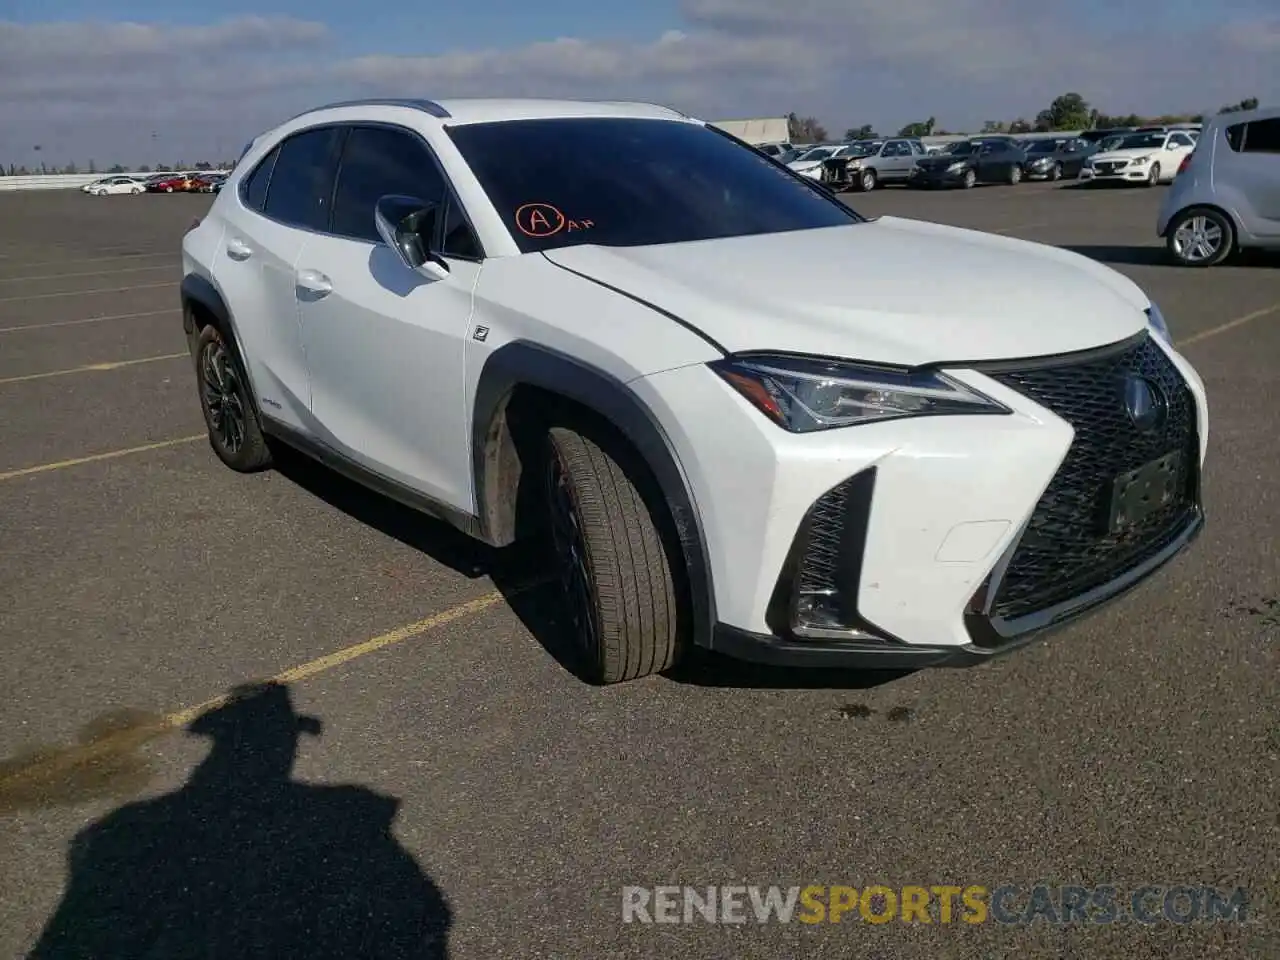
(1056, 173)
(1200, 237)
(230, 415)
(615, 566)
(969, 180)
(136, 191)
(1015, 175)
(168, 189)
(867, 181)
(1153, 177)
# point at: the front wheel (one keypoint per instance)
(969, 180)
(1056, 172)
(1015, 175)
(229, 413)
(867, 182)
(1154, 176)
(615, 567)
(1200, 238)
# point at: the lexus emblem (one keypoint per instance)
(1143, 403)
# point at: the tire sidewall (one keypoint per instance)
(1223, 223)
(252, 453)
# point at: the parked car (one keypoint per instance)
(1096, 136)
(809, 164)
(869, 163)
(1143, 158)
(1226, 195)
(206, 182)
(114, 186)
(170, 183)
(967, 163)
(776, 150)
(721, 398)
(1055, 159)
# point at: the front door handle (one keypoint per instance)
(315, 283)
(237, 249)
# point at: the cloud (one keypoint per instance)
(103, 88)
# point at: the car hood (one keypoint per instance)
(801, 165)
(890, 291)
(1126, 154)
(940, 161)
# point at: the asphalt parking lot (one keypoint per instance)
(485, 788)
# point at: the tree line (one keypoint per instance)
(1070, 111)
(20, 170)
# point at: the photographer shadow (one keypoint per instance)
(244, 861)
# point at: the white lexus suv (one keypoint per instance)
(741, 415)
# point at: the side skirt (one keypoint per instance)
(384, 486)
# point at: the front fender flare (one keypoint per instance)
(526, 364)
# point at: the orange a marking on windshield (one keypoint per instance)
(540, 220)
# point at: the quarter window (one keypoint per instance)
(255, 184)
(1263, 136)
(302, 180)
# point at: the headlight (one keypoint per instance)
(803, 395)
(1158, 326)
(1145, 159)
(1042, 161)
(955, 168)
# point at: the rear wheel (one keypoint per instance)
(615, 567)
(229, 413)
(1154, 176)
(1200, 238)
(1015, 175)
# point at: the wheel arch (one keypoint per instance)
(1216, 208)
(201, 300)
(533, 370)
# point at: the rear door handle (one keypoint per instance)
(238, 250)
(315, 282)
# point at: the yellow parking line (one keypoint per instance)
(85, 293)
(1229, 325)
(61, 763)
(95, 457)
(72, 323)
(91, 368)
(90, 273)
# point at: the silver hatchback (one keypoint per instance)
(1226, 195)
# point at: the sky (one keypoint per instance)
(141, 81)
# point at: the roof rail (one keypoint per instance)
(426, 106)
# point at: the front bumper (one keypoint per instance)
(941, 541)
(935, 178)
(1129, 173)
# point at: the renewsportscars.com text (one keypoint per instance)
(972, 904)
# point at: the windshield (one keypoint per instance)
(1044, 146)
(863, 148)
(631, 182)
(1140, 141)
(817, 153)
(962, 148)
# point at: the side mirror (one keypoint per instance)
(408, 225)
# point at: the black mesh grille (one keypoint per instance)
(1067, 549)
(821, 563)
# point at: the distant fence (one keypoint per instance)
(71, 181)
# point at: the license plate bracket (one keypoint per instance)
(1141, 492)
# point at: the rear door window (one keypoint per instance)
(302, 180)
